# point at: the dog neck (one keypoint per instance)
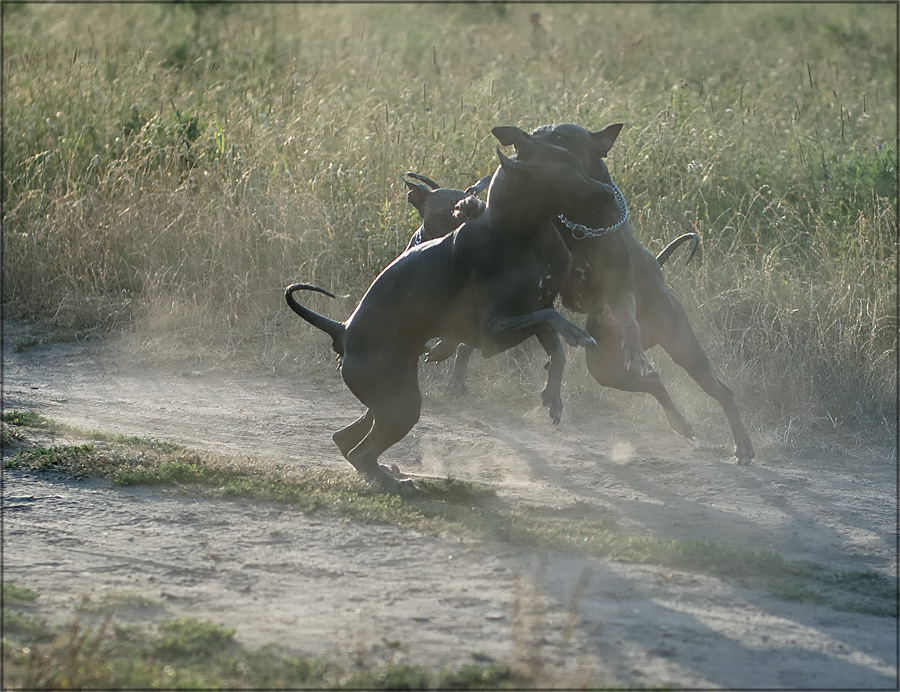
(600, 211)
(515, 212)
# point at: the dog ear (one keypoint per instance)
(516, 165)
(480, 186)
(424, 178)
(417, 193)
(605, 138)
(508, 134)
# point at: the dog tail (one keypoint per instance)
(331, 327)
(671, 247)
(423, 178)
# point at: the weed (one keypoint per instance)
(795, 590)
(389, 677)
(882, 610)
(194, 653)
(114, 601)
(20, 624)
(454, 490)
(191, 638)
(78, 461)
(31, 419)
(13, 593)
(864, 582)
(475, 676)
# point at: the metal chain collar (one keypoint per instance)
(580, 231)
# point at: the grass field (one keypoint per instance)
(169, 168)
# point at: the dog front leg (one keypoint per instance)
(618, 288)
(505, 332)
(441, 351)
(551, 397)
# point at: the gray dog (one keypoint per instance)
(488, 283)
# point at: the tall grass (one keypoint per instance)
(169, 168)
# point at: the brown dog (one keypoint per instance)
(620, 287)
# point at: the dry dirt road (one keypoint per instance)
(367, 593)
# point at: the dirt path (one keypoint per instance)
(366, 593)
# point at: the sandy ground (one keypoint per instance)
(365, 593)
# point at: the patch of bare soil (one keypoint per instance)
(363, 593)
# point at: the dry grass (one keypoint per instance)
(168, 169)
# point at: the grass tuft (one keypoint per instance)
(192, 653)
(31, 419)
(13, 593)
(192, 639)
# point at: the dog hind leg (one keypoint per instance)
(679, 340)
(456, 385)
(606, 364)
(347, 438)
(395, 403)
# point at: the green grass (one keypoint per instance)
(191, 653)
(111, 602)
(448, 507)
(13, 593)
(234, 149)
(444, 507)
(32, 419)
(191, 638)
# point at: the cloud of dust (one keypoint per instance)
(622, 452)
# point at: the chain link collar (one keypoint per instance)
(580, 231)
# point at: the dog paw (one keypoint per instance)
(743, 456)
(576, 336)
(468, 208)
(393, 471)
(394, 486)
(553, 402)
(680, 425)
(404, 488)
(636, 360)
(440, 351)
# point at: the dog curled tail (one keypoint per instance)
(331, 327)
(671, 247)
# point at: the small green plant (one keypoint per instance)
(864, 582)
(31, 419)
(112, 602)
(881, 610)
(191, 653)
(477, 676)
(76, 460)
(796, 590)
(22, 625)
(13, 593)
(192, 638)
(390, 677)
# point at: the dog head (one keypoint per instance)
(436, 207)
(540, 169)
(554, 166)
(545, 176)
(589, 147)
